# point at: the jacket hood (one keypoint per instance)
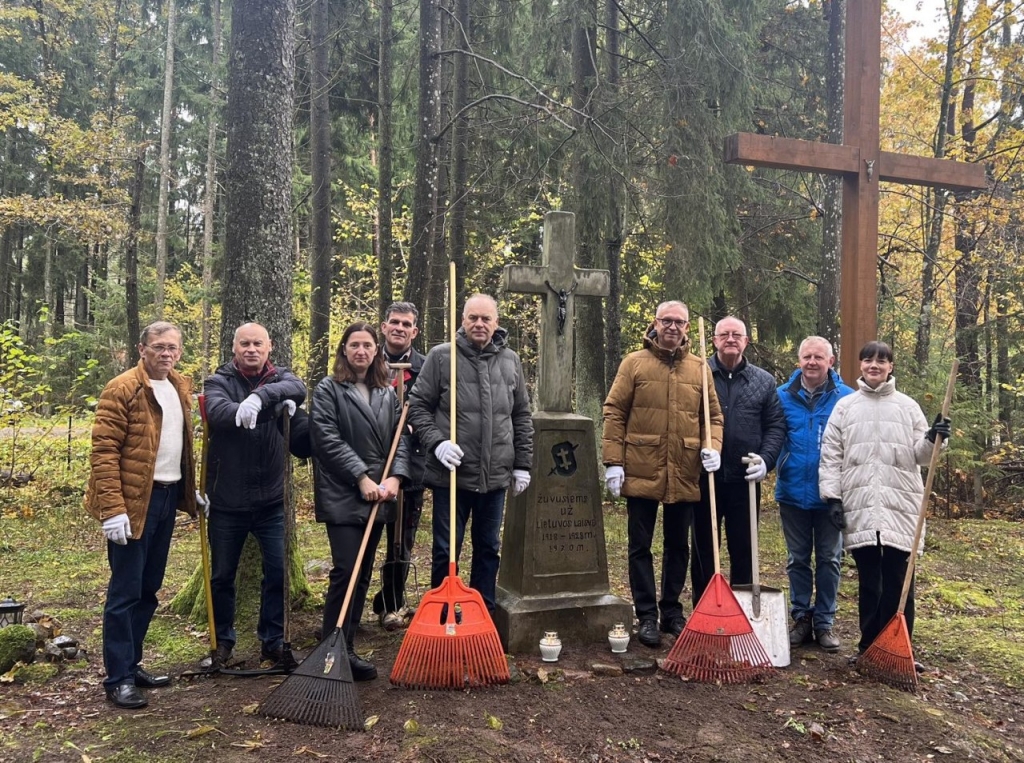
(885, 388)
(669, 356)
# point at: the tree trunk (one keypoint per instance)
(210, 195)
(385, 166)
(417, 284)
(434, 324)
(832, 217)
(258, 176)
(131, 259)
(616, 199)
(320, 164)
(165, 165)
(460, 139)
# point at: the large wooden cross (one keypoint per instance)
(559, 282)
(862, 164)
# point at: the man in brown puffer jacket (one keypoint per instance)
(143, 473)
(653, 451)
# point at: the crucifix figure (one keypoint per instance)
(558, 281)
(862, 164)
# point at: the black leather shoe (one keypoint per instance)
(362, 670)
(673, 626)
(648, 633)
(147, 680)
(128, 696)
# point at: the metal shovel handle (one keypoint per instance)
(755, 571)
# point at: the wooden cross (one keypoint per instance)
(558, 281)
(862, 164)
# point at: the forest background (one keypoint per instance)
(304, 164)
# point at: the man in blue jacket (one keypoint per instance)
(807, 524)
(245, 482)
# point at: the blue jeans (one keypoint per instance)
(486, 510)
(227, 532)
(808, 530)
(136, 574)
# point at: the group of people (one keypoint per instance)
(143, 472)
(848, 473)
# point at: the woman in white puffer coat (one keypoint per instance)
(874, 445)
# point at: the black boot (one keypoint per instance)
(362, 670)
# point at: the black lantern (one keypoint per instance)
(10, 612)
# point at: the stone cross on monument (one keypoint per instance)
(862, 164)
(554, 565)
(559, 283)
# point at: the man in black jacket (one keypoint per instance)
(755, 430)
(399, 330)
(245, 482)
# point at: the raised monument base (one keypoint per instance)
(578, 618)
(554, 568)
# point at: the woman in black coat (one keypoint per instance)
(354, 418)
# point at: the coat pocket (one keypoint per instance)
(645, 456)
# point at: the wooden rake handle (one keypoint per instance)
(707, 444)
(936, 449)
(369, 524)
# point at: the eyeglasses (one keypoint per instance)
(670, 322)
(160, 349)
(731, 335)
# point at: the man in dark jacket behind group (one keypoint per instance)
(755, 429)
(807, 524)
(493, 446)
(399, 329)
(245, 482)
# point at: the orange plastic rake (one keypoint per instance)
(443, 649)
(890, 658)
(718, 644)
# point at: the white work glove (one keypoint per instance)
(520, 481)
(118, 529)
(289, 407)
(711, 459)
(449, 454)
(613, 479)
(203, 502)
(248, 410)
(756, 467)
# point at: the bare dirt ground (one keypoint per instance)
(817, 709)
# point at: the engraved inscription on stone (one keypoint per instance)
(564, 532)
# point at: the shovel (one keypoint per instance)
(765, 607)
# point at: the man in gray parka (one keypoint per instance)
(493, 447)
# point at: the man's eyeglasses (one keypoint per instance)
(731, 335)
(670, 322)
(160, 349)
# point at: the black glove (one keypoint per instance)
(835, 513)
(941, 427)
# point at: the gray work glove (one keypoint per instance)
(118, 529)
(613, 479)
(288, 406)
(248, 410)
(203, 502)
(757, 469)
(836, 514)
(449, 454)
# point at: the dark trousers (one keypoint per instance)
(136, 574)
(486, 511)
(676, 519)
(228, 531)
(393, 575)
(345, 541)
(880, 571)
(733, 506)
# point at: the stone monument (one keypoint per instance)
(554, 566)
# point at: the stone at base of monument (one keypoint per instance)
(578, 618)
(554, 568)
